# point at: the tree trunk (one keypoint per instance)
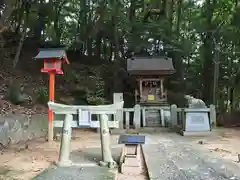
(169, 14)
(19, 49)
(9, 7)
(56, 26)
(98, 45)
(105, 51)
(116, 38)
(40, 23)
(20, 45)
(89, 47)
(20, 18)
(207, 72)
(82, 23)
(132, 17)
(177, 57)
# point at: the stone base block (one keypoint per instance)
(131, 149)
(66, 163)
(187, 133)
(130, 170)
(131, 161)
(118, 131)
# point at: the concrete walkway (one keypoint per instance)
(77, 173)
(86, 167)
(173, 159)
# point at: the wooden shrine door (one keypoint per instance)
(151, 90)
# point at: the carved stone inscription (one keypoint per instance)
(197, 121)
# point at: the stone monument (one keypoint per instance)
(196, 118)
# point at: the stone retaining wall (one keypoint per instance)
(14, 129)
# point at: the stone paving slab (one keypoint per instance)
(191, 163)
(171, 160)
(92, 156)
(77, 173)
(159, 166)
(86, 167)
(212, 164)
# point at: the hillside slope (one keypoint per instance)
(82, 79)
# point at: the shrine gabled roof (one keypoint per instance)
(50, 53)
(150, 64)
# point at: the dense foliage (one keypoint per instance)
(201, 36)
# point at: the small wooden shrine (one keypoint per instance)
(150, 73)
(53, 59)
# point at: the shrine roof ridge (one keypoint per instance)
(150, 64)
(47, 53)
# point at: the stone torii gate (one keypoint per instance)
(103, 111)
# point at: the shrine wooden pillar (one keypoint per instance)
(161, 87)
(140, 88)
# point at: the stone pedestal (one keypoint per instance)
(131, 160)
(131, 170)
(196, 123)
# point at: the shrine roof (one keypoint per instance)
(49, 53)
(158, 65)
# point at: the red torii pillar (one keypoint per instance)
(51, 98)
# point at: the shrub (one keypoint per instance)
(42, 95)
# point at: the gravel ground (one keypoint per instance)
(25, 161)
